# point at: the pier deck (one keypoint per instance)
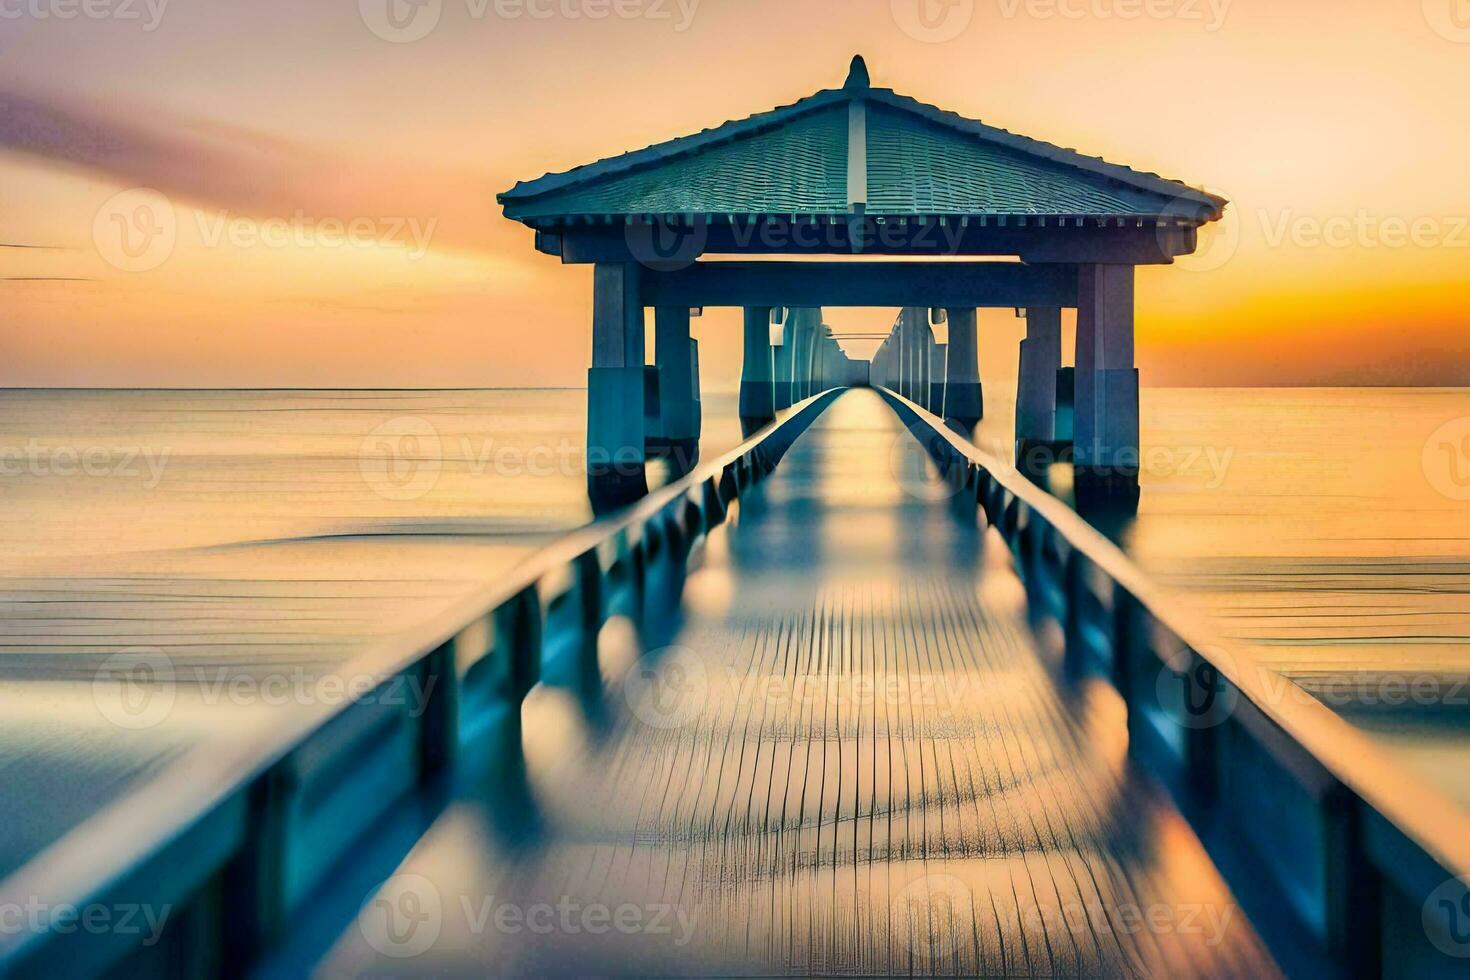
(852, 758)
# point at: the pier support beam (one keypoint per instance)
(757, 383)
(913, 330)
(807, 338)
(1037, 444)
(964, 401)
(1106, 453)
(678, 431)
(615, 389)
(937, 378)
(783, 362)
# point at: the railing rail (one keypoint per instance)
(1368, 856)
(238, 834)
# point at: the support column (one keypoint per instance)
(822, 365)
(783, 363)
(1106, 453)
(936, 378)
(615, 389)
(964, 401)
(803, 375)
(678, 430)
(694, 390)
(1037, 443)
(757, 385)
(923, 355)
(912, 327)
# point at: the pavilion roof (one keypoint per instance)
(913, 159)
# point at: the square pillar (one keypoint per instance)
(936, 378)
(805, 340)
(964, 401)
(1105, 436)
(757, 384)
(913, 337)
(615, 388)
(1036, 391)
(782, 355)
(694, 387)
(678, 425)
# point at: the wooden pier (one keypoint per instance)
(849, 699)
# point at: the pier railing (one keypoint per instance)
(1314, 817)
(232, 840)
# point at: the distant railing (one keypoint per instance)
(234, 838)
(1371, 861)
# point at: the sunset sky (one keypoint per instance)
(1339, 131)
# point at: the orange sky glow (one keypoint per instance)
(334, 191)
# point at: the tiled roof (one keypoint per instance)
(920, 160)
(797, 168)
(918, 168)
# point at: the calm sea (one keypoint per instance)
(252, 538)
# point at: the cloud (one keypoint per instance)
(210, 164)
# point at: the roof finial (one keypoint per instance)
(857, 75)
